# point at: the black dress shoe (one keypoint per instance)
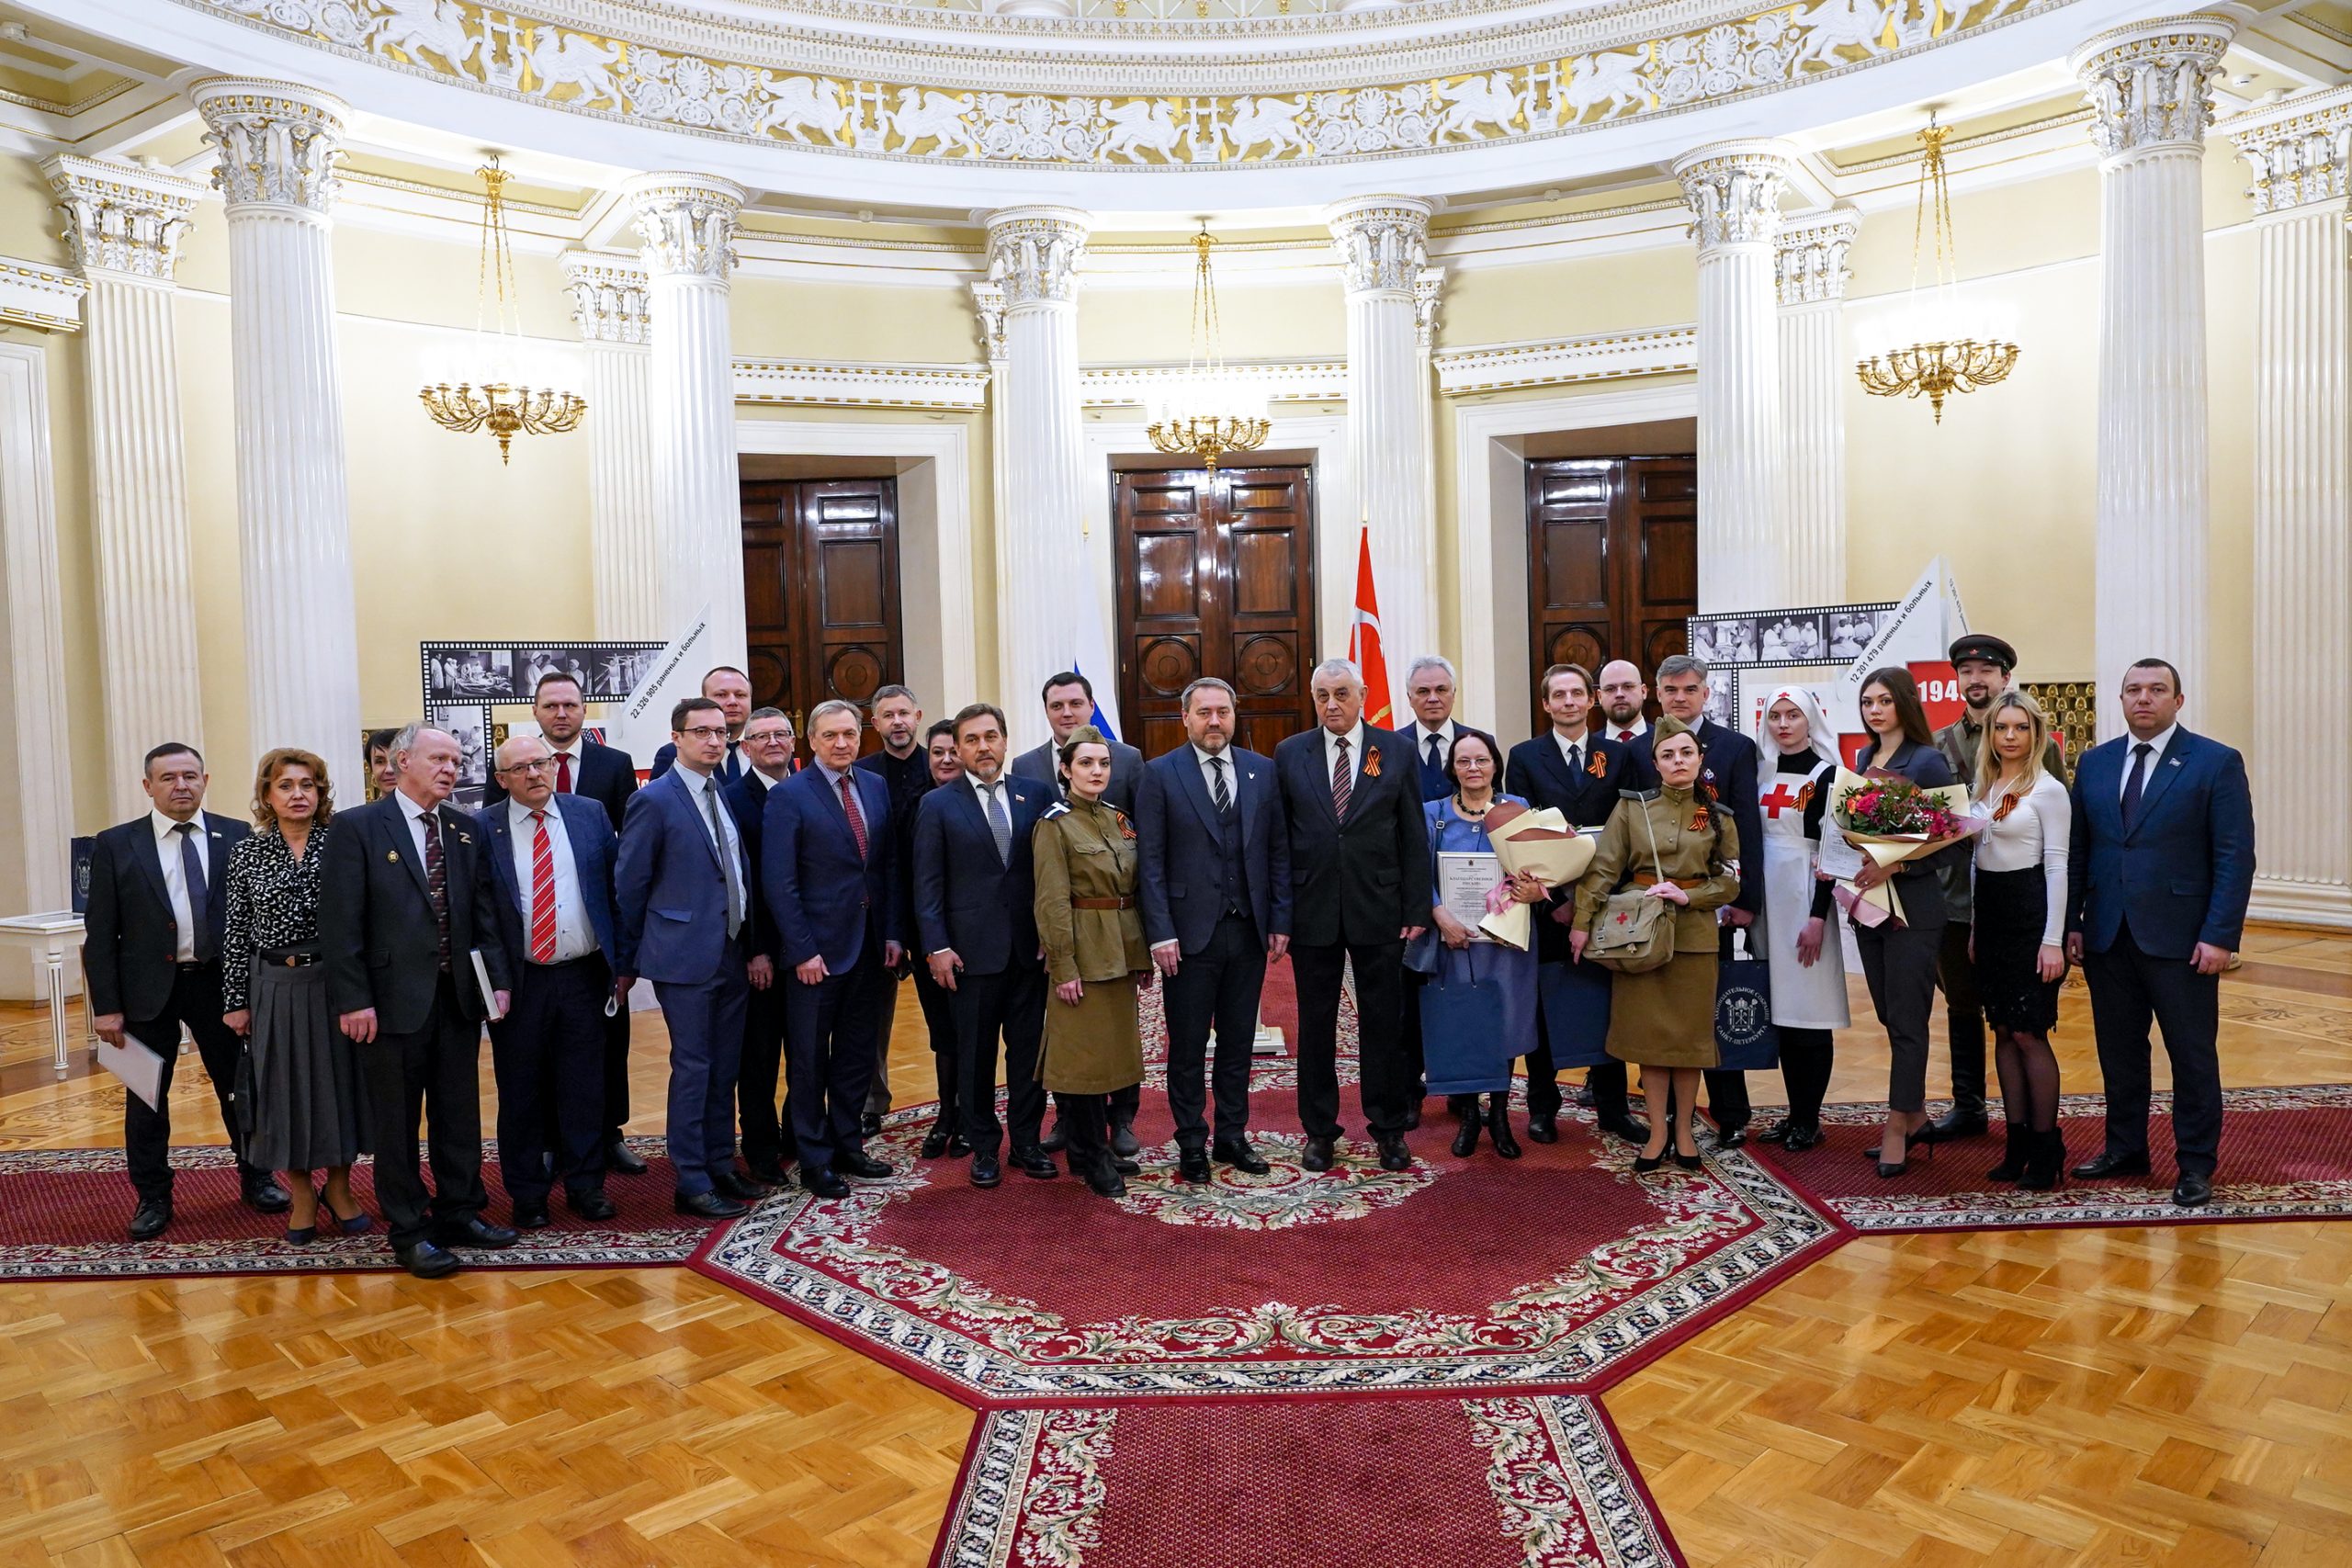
(1957, 1124)
(1466, 1137)
(1318, 1155)
(148, 1220)
(1106, 1184)
(1193, 1166)
(531, 1216)
(2192, 1191)
(1499, 1124)
(985, 1172)
(473, 1231)
(1802, 1138)
(934, 1144)
(869, 1125)
(823, 1183)
(858, 1163)
(592, 1204)
(1123, 1142)
(264, 1193)
(1731, 1137)
(619, 1157)
(1394, 1154)
(1035, 1163)
(1631, 1128)
(1242, 1156)
(1543, 1129)
(2103, 1164)
(427, 1261)
(1778, 1133)
(1056, 1141)
(957, 1147)
(709, 1206)
(741, 1187)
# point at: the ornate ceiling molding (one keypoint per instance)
(2300, 148)
(2149, 83)
(1661, 351)
(1147, 112)
(48, 298)
(278, 143)
(961, 387)
(1809, 256)
(1289, 381)
(119, 219)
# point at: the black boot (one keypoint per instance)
(1465, 1141)
(2045, 1158)
(2014, 1162)
(1499, 1123)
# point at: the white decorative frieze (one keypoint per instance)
(2147, 82)
(1733, 189)
(121, 219)
(1292, 381)
(2300, 149)
(32, 295)
(1809, 258)
(278, 143)
(1382, 242)
(1033, 254)
(862, 385)
(610, 297)
(687, 222)
(1665, 351)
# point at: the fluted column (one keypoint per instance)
(277, 146)
(611, 299)
(2146, 87)
(1733, 189)
(689, 224)
(123, 225)
(1041, 558)
(2301, 150)
(1383, 247)
(1810, 266)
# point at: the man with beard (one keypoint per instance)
(905, 769)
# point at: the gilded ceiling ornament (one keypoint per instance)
(610, 297)
(1733, 189)
(2147, 82)
(121, 219)
(2302, 158)
(1809, 257)
(278, 143)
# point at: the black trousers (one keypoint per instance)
(1963, 1017)
(1408, 1023)
(147, 1134)
(2130, 991)
(547, 1056)
(1384, 1072)
(1807, 1057)
(877, 1094)
(1217, 989)
(1010, 1004)
(1608, 1082)
(829, 1035)
(938, 1006)
(767, 1131)
(616, 1073)
(433, 1074)
(1086, 1121)
(1899, 961)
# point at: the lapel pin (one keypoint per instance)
(393, 856)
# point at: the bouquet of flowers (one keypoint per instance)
(1545, 845)
(1890, 819)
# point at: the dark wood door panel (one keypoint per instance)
(1612, 561)
(821, 584)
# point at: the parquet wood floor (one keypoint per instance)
(2172, 1396)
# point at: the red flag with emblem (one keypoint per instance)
(1364, 642)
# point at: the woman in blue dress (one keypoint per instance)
(1478, 1010)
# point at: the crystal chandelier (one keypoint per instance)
(1946, 357)
(1211, 412)
(497, 395)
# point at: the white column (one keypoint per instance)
(2301, 150)
(689, 224)
(277, 147)
(1041, 561)
(1810, 264)
(123, 225)
(611, 299)
(2146, 87)
(1733, 189)
(1383, 247)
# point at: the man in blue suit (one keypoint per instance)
(732, 690)
(1214, 869)
(684, 886)
(976, 917)
(829, 868)
(2160, 865)
(550, 856)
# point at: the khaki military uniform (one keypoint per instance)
(1666, 1018)
(1093, 932)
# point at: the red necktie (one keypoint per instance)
(1624, 734)
(856, 818)
(563, 772)
(542, 892)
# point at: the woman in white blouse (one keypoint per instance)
(2018, 942)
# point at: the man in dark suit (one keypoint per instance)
(1577, 772)
(1359, 890)
(732, 690)
(606, 775)
(405, 904)
(830, 876)
(945, 1138)
(904, 769)
(767, 1131)
(975, 913)
(684, 886)
(2160, 865)
(1429, 692)
(551, 855)
(151, 962)
(1214, 880)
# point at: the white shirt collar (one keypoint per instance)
(983, 790)
(410, 810)
(1355, 737)
(2161, 741)
(519, 815)
(571, 749)
(163, 824)
(1640, 727)
(1206, 758)
(833, 776)
(1422, 733)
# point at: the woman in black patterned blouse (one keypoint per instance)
(306, 1110)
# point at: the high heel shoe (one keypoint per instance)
(1644, 1164)
(1925, 1148)
(2045, 1158)
(1466, 1139)
(1688, 1162)
(1499, 1124)
(302, 1235)
(359, 1224)
(2014, 1162)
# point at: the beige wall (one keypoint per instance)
(1569, 298)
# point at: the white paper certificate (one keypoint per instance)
(1464, 879)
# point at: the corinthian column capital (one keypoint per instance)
(2146, 83)
(1809, 257)
(1033, 254)
(279, 142)
(2300, 148)
(987, 303)
(121, 219)
(609, 297)
(1734, 190)
(687, 222)
(1382, 242)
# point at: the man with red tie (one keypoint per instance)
(1622, 695)
(829, 868)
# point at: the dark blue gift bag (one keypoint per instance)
(1464, 1047)
(1576, 1013)
(1746, 1040)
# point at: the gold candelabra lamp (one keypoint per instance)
(1211, 412)
(1935, 368)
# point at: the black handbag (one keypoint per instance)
(1747, 1040)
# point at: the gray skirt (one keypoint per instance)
(308, 1110)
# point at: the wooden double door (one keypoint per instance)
(820, 594)
(1216, 576)
(1613, 561)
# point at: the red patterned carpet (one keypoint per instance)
(1495, 1481)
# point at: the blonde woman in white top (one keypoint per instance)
(2018, 942)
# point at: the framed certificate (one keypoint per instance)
(1464, 879)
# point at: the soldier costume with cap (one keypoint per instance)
(1666, 1018)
